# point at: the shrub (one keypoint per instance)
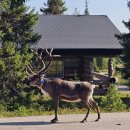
(112, 100)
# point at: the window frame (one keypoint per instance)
(63, 69)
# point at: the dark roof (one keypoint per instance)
(77, 32)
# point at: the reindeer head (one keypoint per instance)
(36, 77)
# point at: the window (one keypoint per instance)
(56, 69)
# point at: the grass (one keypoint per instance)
(32, 112)
(44, 113)
(66, 108)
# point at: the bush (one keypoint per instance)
(112, 100)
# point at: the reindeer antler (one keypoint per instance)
(50, 56)
(33, 69)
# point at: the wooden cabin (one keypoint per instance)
(77, 39)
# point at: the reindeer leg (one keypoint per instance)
(85, 119)
(88, 105)
(95, 104)
(56, 104)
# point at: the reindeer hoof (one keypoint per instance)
(83, 121)
(54, 120)
(98, 119)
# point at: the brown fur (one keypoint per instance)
(60, 89)
(69, 91)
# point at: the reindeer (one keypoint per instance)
(59, 89)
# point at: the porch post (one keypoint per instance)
(85, 69)
(110, 67)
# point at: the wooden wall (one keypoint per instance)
(78, 68)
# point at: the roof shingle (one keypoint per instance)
(77, 32)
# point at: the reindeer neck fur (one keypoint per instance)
(46, 85)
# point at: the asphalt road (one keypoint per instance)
(109, 121)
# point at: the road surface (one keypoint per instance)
(109, 121)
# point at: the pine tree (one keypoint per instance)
(86, 8)
(76, 12)
(17, 24)
(54, 7)
(16, 38)
(12, 74)
(124, 39)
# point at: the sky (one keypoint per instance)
(116, 10)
